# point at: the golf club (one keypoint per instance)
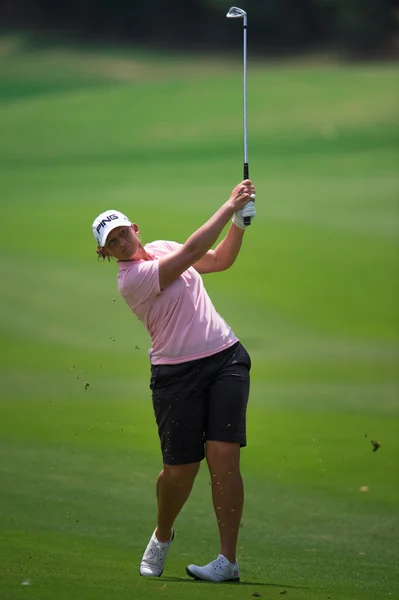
(239, 13)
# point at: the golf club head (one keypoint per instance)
(236, 13)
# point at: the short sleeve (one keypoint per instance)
(139, 283)
(163, 246)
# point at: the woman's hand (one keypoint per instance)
(242, 194)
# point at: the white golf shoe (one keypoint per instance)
(219, 571)
(153, 561)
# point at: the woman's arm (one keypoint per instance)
(224, 255)
(174, 264)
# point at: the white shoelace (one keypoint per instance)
(156, 551)
(218, 564)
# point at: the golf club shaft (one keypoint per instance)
(247, 220)
(239, 13)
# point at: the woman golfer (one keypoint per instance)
(199, 369)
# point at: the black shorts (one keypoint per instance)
(201, 400)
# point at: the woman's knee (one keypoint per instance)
(181, 473)
(223, 453)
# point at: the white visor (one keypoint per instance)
(106, 222)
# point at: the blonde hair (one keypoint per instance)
(101, 256)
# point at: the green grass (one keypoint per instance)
(313, 296)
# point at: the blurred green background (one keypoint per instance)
(313, 296)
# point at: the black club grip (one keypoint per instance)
(247, 220)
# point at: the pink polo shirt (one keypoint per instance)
(181, 319)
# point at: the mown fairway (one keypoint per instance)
(313, 296)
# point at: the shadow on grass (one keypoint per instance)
(240, 583)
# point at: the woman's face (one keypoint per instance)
(122, 242)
